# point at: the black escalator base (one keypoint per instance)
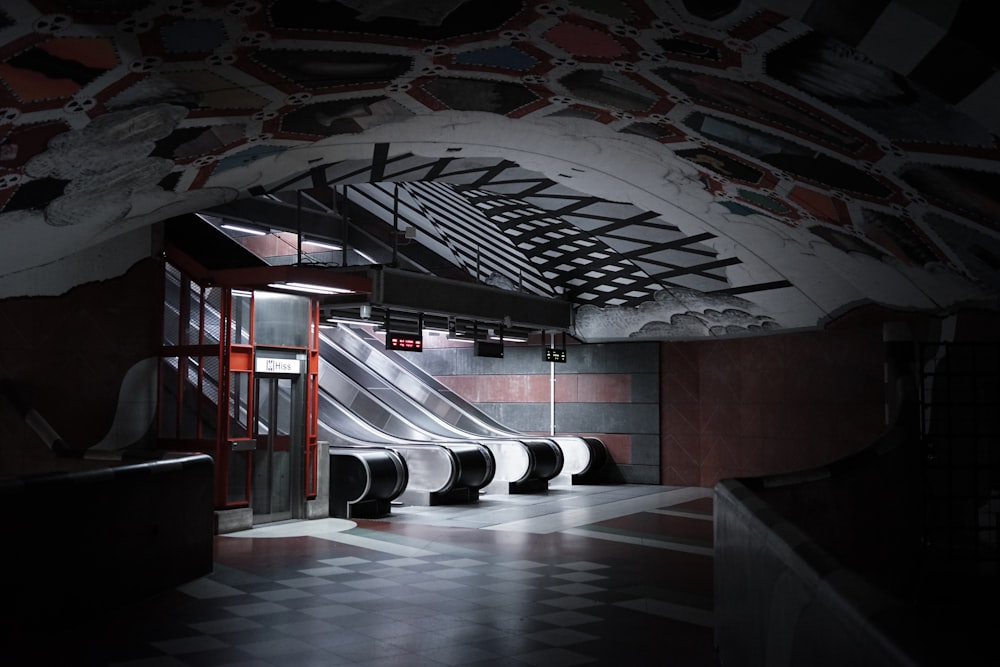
(601, 466)
(457, 496)
(375, 508)
(533, 485)
(600, 475)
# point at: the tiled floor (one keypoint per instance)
(583, 575)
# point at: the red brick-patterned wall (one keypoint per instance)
(767, 405)
(593, 389)
(610, 388)
(609, 391)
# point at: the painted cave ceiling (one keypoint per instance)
(675, 169)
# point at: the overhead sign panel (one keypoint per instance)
(488, 348)
(418, 292)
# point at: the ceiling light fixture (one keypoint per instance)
(320, 244)
(310, 288)
(345, 320)
(509, 339)
(245, 230)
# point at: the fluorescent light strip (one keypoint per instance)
(345, 320)
(320, 244)
(247, 230)
(310, 288)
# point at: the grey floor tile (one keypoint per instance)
(191, 644)
(225, 625)
(256, 608)
(283, 594)
(509, 599)
(330, 611)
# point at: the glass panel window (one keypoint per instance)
(213, 315)
(240, 325)
(169, 400)
(237, 477)
(208, 413)
(239, 392)
(171, 305)
(281, 319)
(193, 336)
(188, 371)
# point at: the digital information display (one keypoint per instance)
(402, 341)
(555, 354)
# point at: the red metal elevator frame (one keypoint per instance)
(232, 358)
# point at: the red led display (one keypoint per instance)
(411, 342)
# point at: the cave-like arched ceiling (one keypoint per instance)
(675, 169)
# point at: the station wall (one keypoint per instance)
(610, 391)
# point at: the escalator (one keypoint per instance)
(584, 458)
(438, 472)
(521, 464)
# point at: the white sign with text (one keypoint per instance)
(276, 365)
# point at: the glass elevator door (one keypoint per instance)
(273, 460)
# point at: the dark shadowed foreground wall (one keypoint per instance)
(67, 356)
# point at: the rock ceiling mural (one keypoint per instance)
(675, 169)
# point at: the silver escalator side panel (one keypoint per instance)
(431, 468)
(383, 407)
(434, 467)
(398, 403)
(577, 454)
(353, 340)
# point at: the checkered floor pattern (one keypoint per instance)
(591, 578)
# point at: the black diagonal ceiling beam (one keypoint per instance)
(573, 258)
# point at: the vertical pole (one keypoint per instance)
(395, 224)
(224, 399)
(343, 216)
(298, 226)
(552, 388)
(200, 364)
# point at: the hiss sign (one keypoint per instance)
(278, 365)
